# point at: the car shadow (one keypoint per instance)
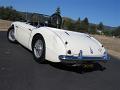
(77, 69)
(66, 67)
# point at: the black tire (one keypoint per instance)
(10, 35)
(41, 58)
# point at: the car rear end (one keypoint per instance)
(82, 48)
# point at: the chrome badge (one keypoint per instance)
(91, 51)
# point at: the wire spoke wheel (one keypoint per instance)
(11, 35)
(38, 48)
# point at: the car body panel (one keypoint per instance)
(80, 41)
(58, 41)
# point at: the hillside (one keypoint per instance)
(9, 13)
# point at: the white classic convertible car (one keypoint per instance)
(57, 45)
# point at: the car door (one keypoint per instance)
(23, 34)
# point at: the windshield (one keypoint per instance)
(52, 21)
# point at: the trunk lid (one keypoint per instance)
(75, 42)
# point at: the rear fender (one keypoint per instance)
(54, 45)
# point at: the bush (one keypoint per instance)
(116, 32)
(9, 13)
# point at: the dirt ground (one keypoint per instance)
(4, 24)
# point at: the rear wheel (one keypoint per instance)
(38, 49)
(10, 35)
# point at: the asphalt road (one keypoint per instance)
(19, 71)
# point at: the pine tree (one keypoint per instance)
(58, 11)
(101, 26)
(92, 29)
(84, 25)
(68, 24)
(77, 25)
(116, 32)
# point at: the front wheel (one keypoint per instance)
(10, 35)
(38, 49)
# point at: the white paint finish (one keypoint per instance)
(23, 33)
(55, 41)
(54, 45)
(80, 41)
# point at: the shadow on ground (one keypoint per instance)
(78, 69)
(81, 69)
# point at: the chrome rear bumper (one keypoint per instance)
(81, 58)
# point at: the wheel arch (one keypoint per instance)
(37, 35)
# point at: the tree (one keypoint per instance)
(100, 26)
(68, 24)
(84, 25)
(116, 32)
(108, 32)
(9, 13)
(86, 21)
(93, 29)
(58, 11)
(77, 25)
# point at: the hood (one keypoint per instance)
(75, 42)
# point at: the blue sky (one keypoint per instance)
(106, 11)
